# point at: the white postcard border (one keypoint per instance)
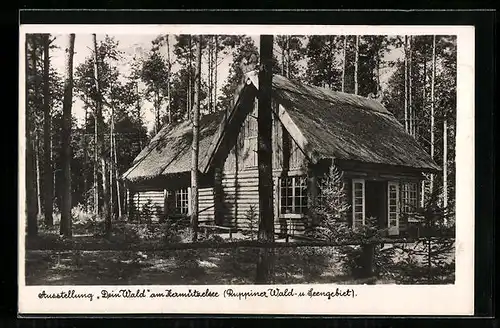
(454, 299)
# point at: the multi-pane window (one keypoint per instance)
(358, 202)
(409, 197)
(182, 201)
(293, 191)
(393, 201)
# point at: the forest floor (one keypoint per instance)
(119, 260)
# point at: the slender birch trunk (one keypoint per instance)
(85, 157)
(106, 213)
(424, 83)
(356, 64)
(117, 179)
(66, 220)
(190, 87)
(445, 162)
(283, 57)
(169, 107)
(433, 77)
(288, 75)
(215, 69)
(410, 86)
(194, 154)
(344, 50)
(96, 163)
(209, 77)
(406, 84)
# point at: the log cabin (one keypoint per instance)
(313, 128)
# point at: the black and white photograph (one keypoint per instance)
(231, 157)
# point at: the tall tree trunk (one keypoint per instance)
(36, 108)
(31, 206)
(117, 179)
(138, 109)
(158, 104)
(433, 77)
(96, 163)
(169, 107)
(283, 58)
(112, 164)
(264, 126)
(288, 75)
(424, 93)
(445, 162)
(344, 50)
(406, 85)
(194, 153)
(47, 151)
(85, 157)
(356, 64)
(38, 177)
(65, 227)
(209, 75)
(215, 70)
(424, 103)
(190, 87)
(30, 176)
(410, 88)
(100, 142)
(377, 77)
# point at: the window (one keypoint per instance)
(358, 202)
(393, 204)
(182, 201)
(293, 191)
(250, 143)
(409, 197)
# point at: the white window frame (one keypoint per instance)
(176, 207)
(292, 215)
(363, 198)
(406, 198)
(393, 229)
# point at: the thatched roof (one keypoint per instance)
(169, 152)
(343, 126)
(335, 125)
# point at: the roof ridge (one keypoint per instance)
(327, 92)
(387, 112)
(376, 106)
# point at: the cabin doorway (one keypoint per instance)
(375, 205)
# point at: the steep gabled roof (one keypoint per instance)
(169, 152)
(348, 127)
(324, 123)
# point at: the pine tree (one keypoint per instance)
(195, 151)
(66, 224)
(264, 126)
(47, 144)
